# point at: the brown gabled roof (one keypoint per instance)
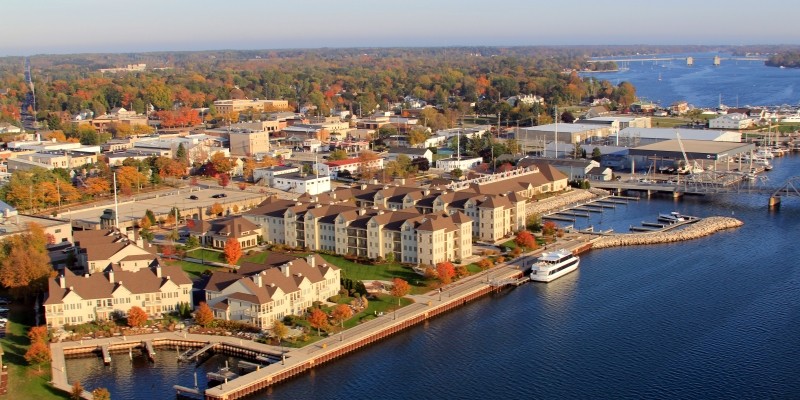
(99, 285)
(434, 222)
(272, 207)
(495, 202)
(232, 226)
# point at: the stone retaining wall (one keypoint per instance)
(561, 201)
(704, 227)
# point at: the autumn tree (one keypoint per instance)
(220, 163)
(248, 167)
(400, 288)
(76, 393)
(38, 353)
(38, 334)
(445, 271)
(136, 317)
(224, 180)
(549, 228)
(215, 209)
(525, 239)
(96, 186)
(24, 262)
(417, 136)
(233, 250)
(203, 316)
(279, 330)
(101, 394)
(367, 167)
(461, 271)
(485, 263)
(318, 319)
(341, 313)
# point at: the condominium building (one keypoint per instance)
(409, 224)
(75, 299)
(263, 294)
(97, 250)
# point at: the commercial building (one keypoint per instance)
(731, 121)
(352, 165)
(462, 163)
(266, 176)
(302, 183)
(633, 137)
(235, 105)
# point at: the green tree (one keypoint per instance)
(181, 155)
(456, 173)
(338, 154)
(596, 154)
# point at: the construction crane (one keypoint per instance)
(688, 168)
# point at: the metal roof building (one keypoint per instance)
(695, 150)
(642, 136)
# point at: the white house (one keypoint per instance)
(462, 163)
(731, 121)
(411, 153)
(353, 165)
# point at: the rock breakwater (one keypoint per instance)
(704, 227)
(558, 202)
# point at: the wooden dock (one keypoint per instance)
(149, 350)
(557, 218)
(106, 354)
(194, 354)
(574, 214)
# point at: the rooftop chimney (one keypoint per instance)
(285, 268)
(258, 281)
(111, 276)
(62, 281)
(158, 271)
(311, 260)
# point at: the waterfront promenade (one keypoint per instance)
(296, 361)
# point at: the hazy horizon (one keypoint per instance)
(92, 26)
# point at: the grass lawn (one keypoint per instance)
(208, 255)
(24, 381)
(368, 273)
(194, 270)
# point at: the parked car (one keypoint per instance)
(219, 195)
(192, 197)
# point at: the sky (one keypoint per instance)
(94, 26)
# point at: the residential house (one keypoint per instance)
(216, 233)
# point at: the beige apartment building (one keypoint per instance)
(265, 293)
(226, 106)
(409, 224)
(76, 299)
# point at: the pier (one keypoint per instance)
(149, 350)
(106, 355)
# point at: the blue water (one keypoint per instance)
(739, 83)
(713, 318)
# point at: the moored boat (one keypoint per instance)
(552, 265)
(672, 217)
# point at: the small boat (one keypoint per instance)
(552, 265)
(672, 217)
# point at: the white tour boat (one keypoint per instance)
(552, 265)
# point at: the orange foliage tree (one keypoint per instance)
(318, 319)
(203, 316)
(485, 263)
(96, 185)
(136, 317)
(341, 313)
(525, 239)
(400, 288)
(181, 117)
(549, 228)
(215, 209)
(233, 251)
(38, 354)
(445, 271)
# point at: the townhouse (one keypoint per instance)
(75, 299)
(265, 293)
(97, 250)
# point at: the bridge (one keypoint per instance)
(712, 183)
(656, 59)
